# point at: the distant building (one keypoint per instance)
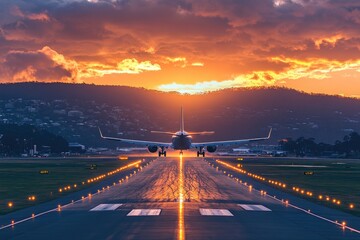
(76, 148)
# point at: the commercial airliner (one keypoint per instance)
(182, 140)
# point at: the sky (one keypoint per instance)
(190, 46)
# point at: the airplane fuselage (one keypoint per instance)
(181, 141)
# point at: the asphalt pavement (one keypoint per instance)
(181, 199)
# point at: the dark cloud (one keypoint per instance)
(42, 65)
(245, 34)
(195, 21)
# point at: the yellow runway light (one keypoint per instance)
(343, 224)
(31, 198)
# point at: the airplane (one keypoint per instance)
(182, 140)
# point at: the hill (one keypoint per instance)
(75, 110)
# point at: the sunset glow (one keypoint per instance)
(186, 46)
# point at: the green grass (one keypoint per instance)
(21, 178)
(339, 179)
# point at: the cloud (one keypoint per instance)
(182, 62)
(126, 66)
(318, 69)
(178, 61)
(41, 65)
(248, 80)
(196, 88)
(132, 66)
(314, 68)
(48, 65)
(197, 64)
(245, 42)
(16, 11)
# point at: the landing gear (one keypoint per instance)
(162, 152)
(201, 152)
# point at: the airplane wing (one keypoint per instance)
(138, 142)
(231, 142)
(190, 133)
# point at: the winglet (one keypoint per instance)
(269, 133)
(101, 135)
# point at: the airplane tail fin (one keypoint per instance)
(182, 120)
(182, 129)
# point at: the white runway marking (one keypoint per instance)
(215, 212)
(106, 207)
(253, 207)
(144, 212)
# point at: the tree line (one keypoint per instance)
(348, 147)
(19, 139)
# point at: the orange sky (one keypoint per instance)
(184, 45)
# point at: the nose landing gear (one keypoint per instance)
(162, 152)
(201, 152)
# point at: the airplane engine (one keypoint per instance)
(211, 148)
(152, 149)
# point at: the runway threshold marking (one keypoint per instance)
(215, 212)
(106, 207)
(254, 207)
(144, 212)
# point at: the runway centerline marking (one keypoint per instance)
(144, 212)
(181, 228)
(215, 212)
(106, 207)
(254, 207)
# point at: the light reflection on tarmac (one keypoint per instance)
(179, 187)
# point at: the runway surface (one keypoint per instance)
(182, 199)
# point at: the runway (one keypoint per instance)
(183, 199)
